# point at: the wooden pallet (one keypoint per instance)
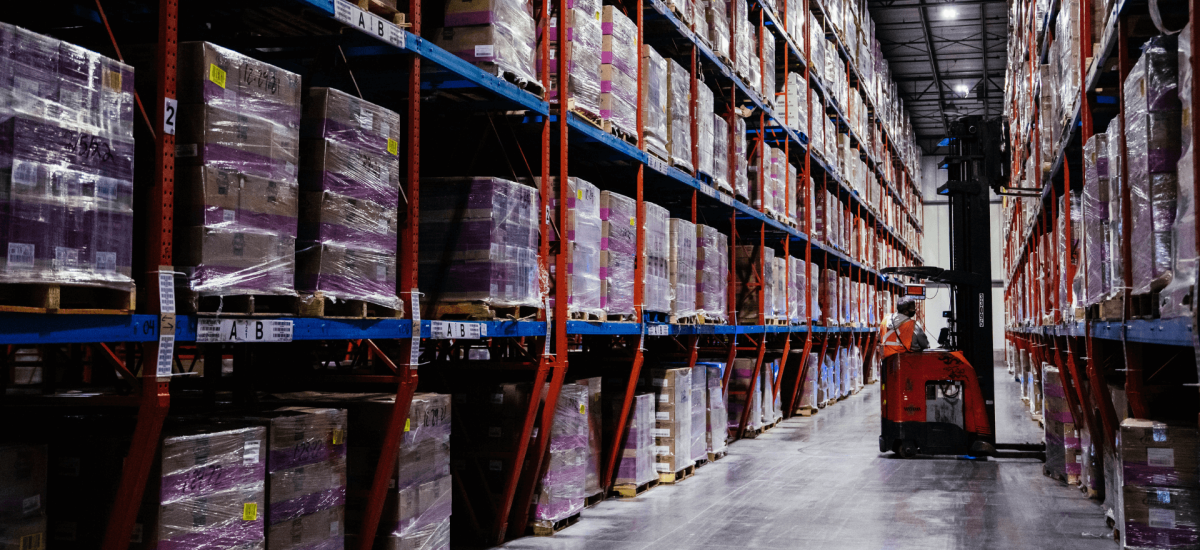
(66, 299)
(1111, 309)
(630, 490)
(807, 411)
(480, 311)
(587, 316)
(383, 10)
(237, 305)
(623, 134)
(713, 457)
(752, 433)
(685, 320)
(1144, 306)
(547, 528)
(624, 318)
(593, 500)
(702, 319)
(701, 462)
(319, 305)
(676, 477)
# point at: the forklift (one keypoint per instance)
(942, 401)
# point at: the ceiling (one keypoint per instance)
(947, 59)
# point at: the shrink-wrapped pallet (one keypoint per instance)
(673, 419)
(497, 35)
(618, 71)
(797, 103)
(560, 492)
(741, 39)
(712, 274)
(808, 388)
(720, 143)
(797, 310)
(704, 128)
(1176, 300)
(1153, 117)
(655, 102)
(1115, 205)
(618, 253)
(679, 118)
(718, 417)
(595, 435)
(1055, 416)
(766, 385)
(349, 180)
(738, 391)
(1096, 195)
(637, 457)
(583, 230)
(768, 76)
(699, 407)
(749, 271)
(741, 180)
(828, 293)
(67, 152)
(779, 288)
(657, 284)
(480, 242)
(583, 53)
(238, 143)
(681, 268)
(1159, 484)
(187, 506)
(718, 27)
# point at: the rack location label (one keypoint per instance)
(447, 330)
(368, 23)
(243, 330)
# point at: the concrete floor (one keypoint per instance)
(820, 482)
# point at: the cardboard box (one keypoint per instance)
(209, 73)
(330, 113)
(1160, 517)
(22, 481)
(1158, 454)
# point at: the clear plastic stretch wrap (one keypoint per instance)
(237, 153)
(423, 484)
(741, 179)
(1116, 220)
(699, 407)
(1159, 482)
(718, 27)
(595, 436)
(655, 96)
(480, 241)
(712, 269)
(560, 493)
(66, 152)
(1056, 415)
(1153, 115)
(306, 478)
(618, 71)
(583, 244)
(704, 125)
(812, 374)
(1176, 299)
(791, 193)
(658, 291)
(768, 77)
(679, 118)
(828, 296)
(797, 312)
(349, 177)
(778, 277)
(755, 75)
(682, 268)
(750, 260)
(739, 25)
(717, 418)
(637, 458)
(673, 419)
(209, 490)
(499, 37)
(795, 23)
(720, 155)
(779, 179)
(766, 386)
(814, 275)
(1095, 219)
(797, 103)
(739, 381)
(618, 253)
(584, 39)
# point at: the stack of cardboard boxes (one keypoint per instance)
(497, 35)
(582, 52)
(716, 418)
(22, 496)
(637, 464)
(560, 493)
(657, 284)
(618, 71)
(712, 274)
(673, 420)
(618, 254)
(1159, 485)
(682, 268)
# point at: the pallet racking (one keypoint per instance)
(389, 61)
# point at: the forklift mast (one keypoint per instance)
(975, 164)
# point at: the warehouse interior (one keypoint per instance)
(767, 274)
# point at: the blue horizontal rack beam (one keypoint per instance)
(1167, 332)
(26, 328)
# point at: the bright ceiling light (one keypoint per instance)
(962, 90)
(949, 13)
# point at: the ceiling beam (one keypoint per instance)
(876, 8)
(937, 79)
(983, 46)
(949, 74)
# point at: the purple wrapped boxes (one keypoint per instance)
(618, 253)
(618, 71)
(637, 458)
(306, 479)
(66, 140)
(497, 35)
(712, 273)
(657, 284)
(561, 491)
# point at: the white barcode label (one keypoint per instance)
(165, 361)
(368, 23)
(334, 529)
(66, 258)
(228, 215)
(1164, 458)
(234, 330)
(31, 504)
(250, 452)
(24, 173)
(414, 350)
(366, 119)
(662, 450)
(106, 262)
(661, 432)
(658, 330)
(664, 398)
(1161, 518)
(497, 399)
(380, 273)
(20, 255)
(485, 51)
(446, 330)
(662, 467)
(659, 382)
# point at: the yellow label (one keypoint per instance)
(579, 194)
(36, 541)
(216, 74)
(632, 222)
(112, 79)
(337, 437)
(393, 147)
(407, 424)
(250, 511)
(582, 409)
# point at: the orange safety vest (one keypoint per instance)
(899, 339)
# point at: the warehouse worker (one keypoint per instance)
(902, 333)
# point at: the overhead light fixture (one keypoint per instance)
(949, 13)
(962, 90)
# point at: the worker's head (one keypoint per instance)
(907, 306)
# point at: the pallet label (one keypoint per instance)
(658, 330)
(448, 330)
(414, 350)
(368, 23)
(243, 330)
(657, 164)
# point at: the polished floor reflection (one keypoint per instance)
(821, 483)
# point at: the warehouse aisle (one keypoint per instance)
(821, 483)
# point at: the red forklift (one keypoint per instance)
(942, 401)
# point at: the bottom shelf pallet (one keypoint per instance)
(593, 500)
(630, 490)
(807, 411)
(65, 299)
(547, 528)
(713, 457)
(676, 477)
